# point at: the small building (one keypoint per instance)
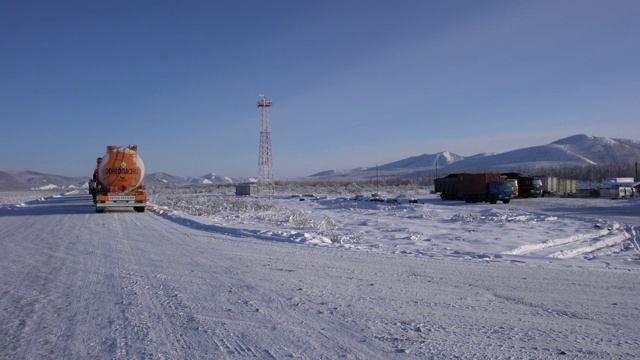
(247, 189)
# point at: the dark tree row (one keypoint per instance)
(587, 174)
(593, 174)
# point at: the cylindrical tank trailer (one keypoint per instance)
(121, 168)
(118, 179)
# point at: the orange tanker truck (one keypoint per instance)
(117, 180)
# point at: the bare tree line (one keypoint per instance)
(593, 174)
(586, 174)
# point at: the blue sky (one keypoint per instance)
(354, 83)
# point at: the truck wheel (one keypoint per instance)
(493, 199)
(506, 201)
(99, 210)
(138, 208)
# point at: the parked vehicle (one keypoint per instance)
(528, 186)
(555, 186)
(118, 180)
(514, 185)
(620, 191)
(618, 188)
(473, 188)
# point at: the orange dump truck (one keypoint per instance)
(117, 180)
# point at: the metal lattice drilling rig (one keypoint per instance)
(265, 161)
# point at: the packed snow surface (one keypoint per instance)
(213, 276)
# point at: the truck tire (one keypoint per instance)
(493, 199)
(506, 201)
(139, 208)
(99, 211)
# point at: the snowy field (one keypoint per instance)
(581, 232)
(19, 198)
(318, 276)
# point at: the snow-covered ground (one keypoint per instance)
(18, 198)
(322, 276)
(582, 232)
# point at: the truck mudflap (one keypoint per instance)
(138, 202)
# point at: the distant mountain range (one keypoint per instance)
(574, 150)
(27, 180)
(570, 151)
(31, 180)
(160, 179)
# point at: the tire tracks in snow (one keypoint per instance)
(634, 237)
(150, 312)
(215, 329)
(169, 317)
(48, 289)
(610, 236)
(254, 306)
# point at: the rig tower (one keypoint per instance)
(265, 161)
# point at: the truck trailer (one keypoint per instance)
(555, 186)
(447, 187)
(117, 180)
(473, 188)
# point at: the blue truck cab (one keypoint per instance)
(500, 190)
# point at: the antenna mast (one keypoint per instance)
(265, 161)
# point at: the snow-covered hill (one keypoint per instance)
(570, 151)
(441, 159)
(31, 180)
(161, 179)
(601, 150)
(212, 178)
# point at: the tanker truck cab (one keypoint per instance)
(500, 190)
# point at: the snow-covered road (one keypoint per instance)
(123, 285)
